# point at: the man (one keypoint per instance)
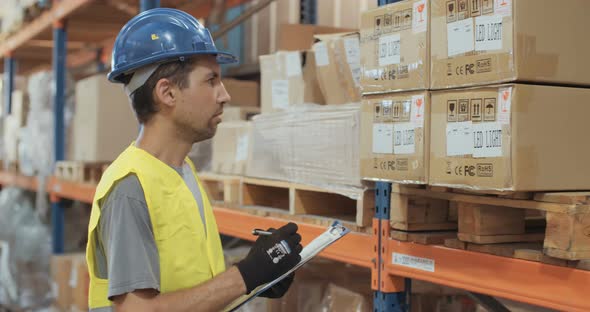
(153, 242)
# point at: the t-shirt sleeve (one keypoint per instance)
(127, 239)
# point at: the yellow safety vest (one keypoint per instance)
(188, 257)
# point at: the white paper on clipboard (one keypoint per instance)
(335, 232)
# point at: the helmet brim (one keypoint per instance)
(222, 58)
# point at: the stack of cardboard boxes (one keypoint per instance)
(396, 102)
(507, 106)
(295, 139)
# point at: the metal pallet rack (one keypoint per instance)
(530, 282)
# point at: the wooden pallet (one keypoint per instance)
(424, 237)
(300, 199)
(308, 219)
(525, 251)
(221, 188)
(79, 171)
(501, 218)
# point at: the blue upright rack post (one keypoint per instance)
(59, 73)
(309, 10)
(9, 71)
(145, 5)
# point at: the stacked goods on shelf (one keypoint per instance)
(306, 161)
(337, 58)
(394, 58)
(496, 72)
(99, 106)
(501, 136)
(396, 104)
(277, 28)
(36, 138)
(13, 13)
(493, 42)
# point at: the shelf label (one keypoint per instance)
(417, 263)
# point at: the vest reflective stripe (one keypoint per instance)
(188, 255)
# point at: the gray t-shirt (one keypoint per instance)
(126, 252)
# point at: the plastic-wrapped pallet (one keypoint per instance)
(26, 247)
(316, 145)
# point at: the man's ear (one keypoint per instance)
(165, 92)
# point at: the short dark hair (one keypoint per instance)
(142, 99)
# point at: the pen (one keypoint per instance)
(258, 232)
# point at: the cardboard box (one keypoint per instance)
(239, 113)
(299, 37)
(231, 147)
(395, 137)
(338, 67)
(342, 13)
(61, 269)
(243, 92)
(510, 40)
(282, 82)
(80, 283)
(104, 123)
(510, 137)
(395, 47)
(312, 91)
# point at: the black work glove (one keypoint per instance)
(271, 256)
(280, 288)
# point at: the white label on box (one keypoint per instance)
(353, 57)
(280, 94)
(487, 139)
(417, 113)
(74, 275)
(321, 54)
(459, 138)
(417, 263)
(389, 50)
(503, 7)
(293, 60)
(488, 33)
(505, 102)
(404, 138)
(242, 148)
(383, 138)
(420, 17)
(460, 37)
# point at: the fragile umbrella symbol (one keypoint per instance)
(420, 10)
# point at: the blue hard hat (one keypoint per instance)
(158, 36)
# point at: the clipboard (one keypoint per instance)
(332, 234)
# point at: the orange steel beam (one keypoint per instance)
(59, 10)
(71, 190)
(354, 248)
(535, 283)
(13, 179)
